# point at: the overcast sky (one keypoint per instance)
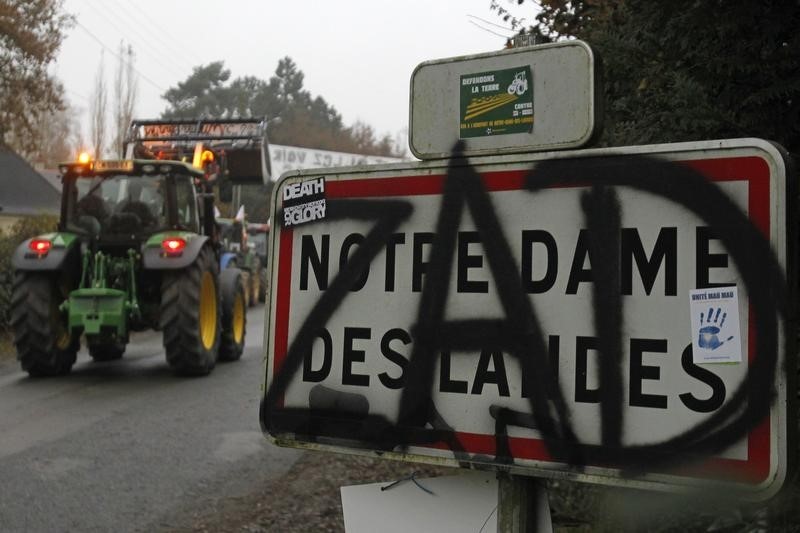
(357, 54)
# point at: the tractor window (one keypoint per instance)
(187, 206)
(117, 205)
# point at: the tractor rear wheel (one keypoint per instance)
(190, 316)
(234, 315)
(44, 344)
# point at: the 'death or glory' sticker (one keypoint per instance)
(496, 103)
(303, 201)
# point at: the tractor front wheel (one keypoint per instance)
(234, 315)
(190, 316)
(44, 344)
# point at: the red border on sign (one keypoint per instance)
(754, 170)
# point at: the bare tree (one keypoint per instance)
(98, 110)
(58, 137)
(125, 92)
(399, 145)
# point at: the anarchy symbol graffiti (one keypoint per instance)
(519, 333)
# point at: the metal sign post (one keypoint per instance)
(521, 505)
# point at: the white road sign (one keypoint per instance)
(541, 97)
(531, 313)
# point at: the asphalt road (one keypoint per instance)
(126, 446)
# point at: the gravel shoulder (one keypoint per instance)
(306, 498)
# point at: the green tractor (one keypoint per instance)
(136, 248)
(259, 234)
(240, 252)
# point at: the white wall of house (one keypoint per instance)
(6, 222)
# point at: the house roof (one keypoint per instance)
(52, 176)
(23, 191)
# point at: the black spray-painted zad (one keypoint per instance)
(435, 326)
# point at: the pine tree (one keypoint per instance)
(686, 70)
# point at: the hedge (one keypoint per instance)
(23, 229)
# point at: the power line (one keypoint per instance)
(492, 23)
(151, 26)
(157, 54)
(488, 30)
(157, 57)
(113, 53)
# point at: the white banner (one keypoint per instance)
(285, 158)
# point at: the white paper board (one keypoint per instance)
(466, 502)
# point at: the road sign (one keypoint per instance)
(534, 314)
(534, 98)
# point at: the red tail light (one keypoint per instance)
(40, 246)
(173, 245)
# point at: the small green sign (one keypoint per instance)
(496, 103)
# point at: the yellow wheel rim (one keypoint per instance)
(63, 340)
(208, 311)
(238, 318)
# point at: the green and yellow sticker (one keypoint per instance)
(496, 103)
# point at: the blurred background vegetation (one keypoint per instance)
(23, 229)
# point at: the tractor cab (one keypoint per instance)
(114, 201)
(258, 236)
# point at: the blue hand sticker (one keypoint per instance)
(708, 334)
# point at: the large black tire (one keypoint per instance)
(190, 316)
(106, 350)
(234, 315)
(262, 288)
(44, 344)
